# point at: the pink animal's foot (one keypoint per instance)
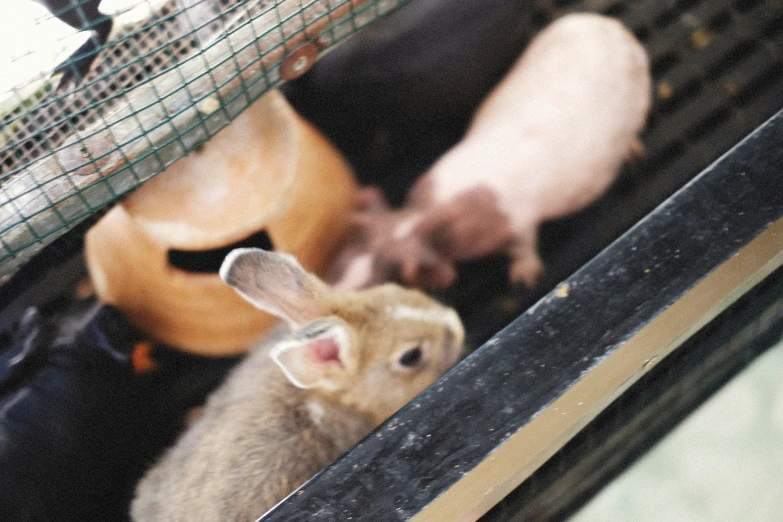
(526, 270)
(370, 198)
(428, 271)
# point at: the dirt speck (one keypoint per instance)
(701, 37)
(664, 90)
(562, 290)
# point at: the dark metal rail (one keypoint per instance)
(487, 426)
(650, 408)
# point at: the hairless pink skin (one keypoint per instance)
(547, 141)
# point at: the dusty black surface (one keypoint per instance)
(650, 409)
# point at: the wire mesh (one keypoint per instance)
(170, 75)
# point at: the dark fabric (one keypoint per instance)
(78, 426)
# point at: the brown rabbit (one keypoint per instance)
(346, 363)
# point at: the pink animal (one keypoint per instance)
(546, 142)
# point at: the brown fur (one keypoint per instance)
(260, 436)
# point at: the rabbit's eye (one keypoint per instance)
(411, 358)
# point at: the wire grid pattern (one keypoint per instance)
(158, 89)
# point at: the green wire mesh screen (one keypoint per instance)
(163, 83)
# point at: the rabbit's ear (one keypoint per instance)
(319, 355)
(277, 284)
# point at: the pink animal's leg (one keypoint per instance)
(370, 198)
(526, 267)
(427, 269)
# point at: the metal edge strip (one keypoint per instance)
(527, 449)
